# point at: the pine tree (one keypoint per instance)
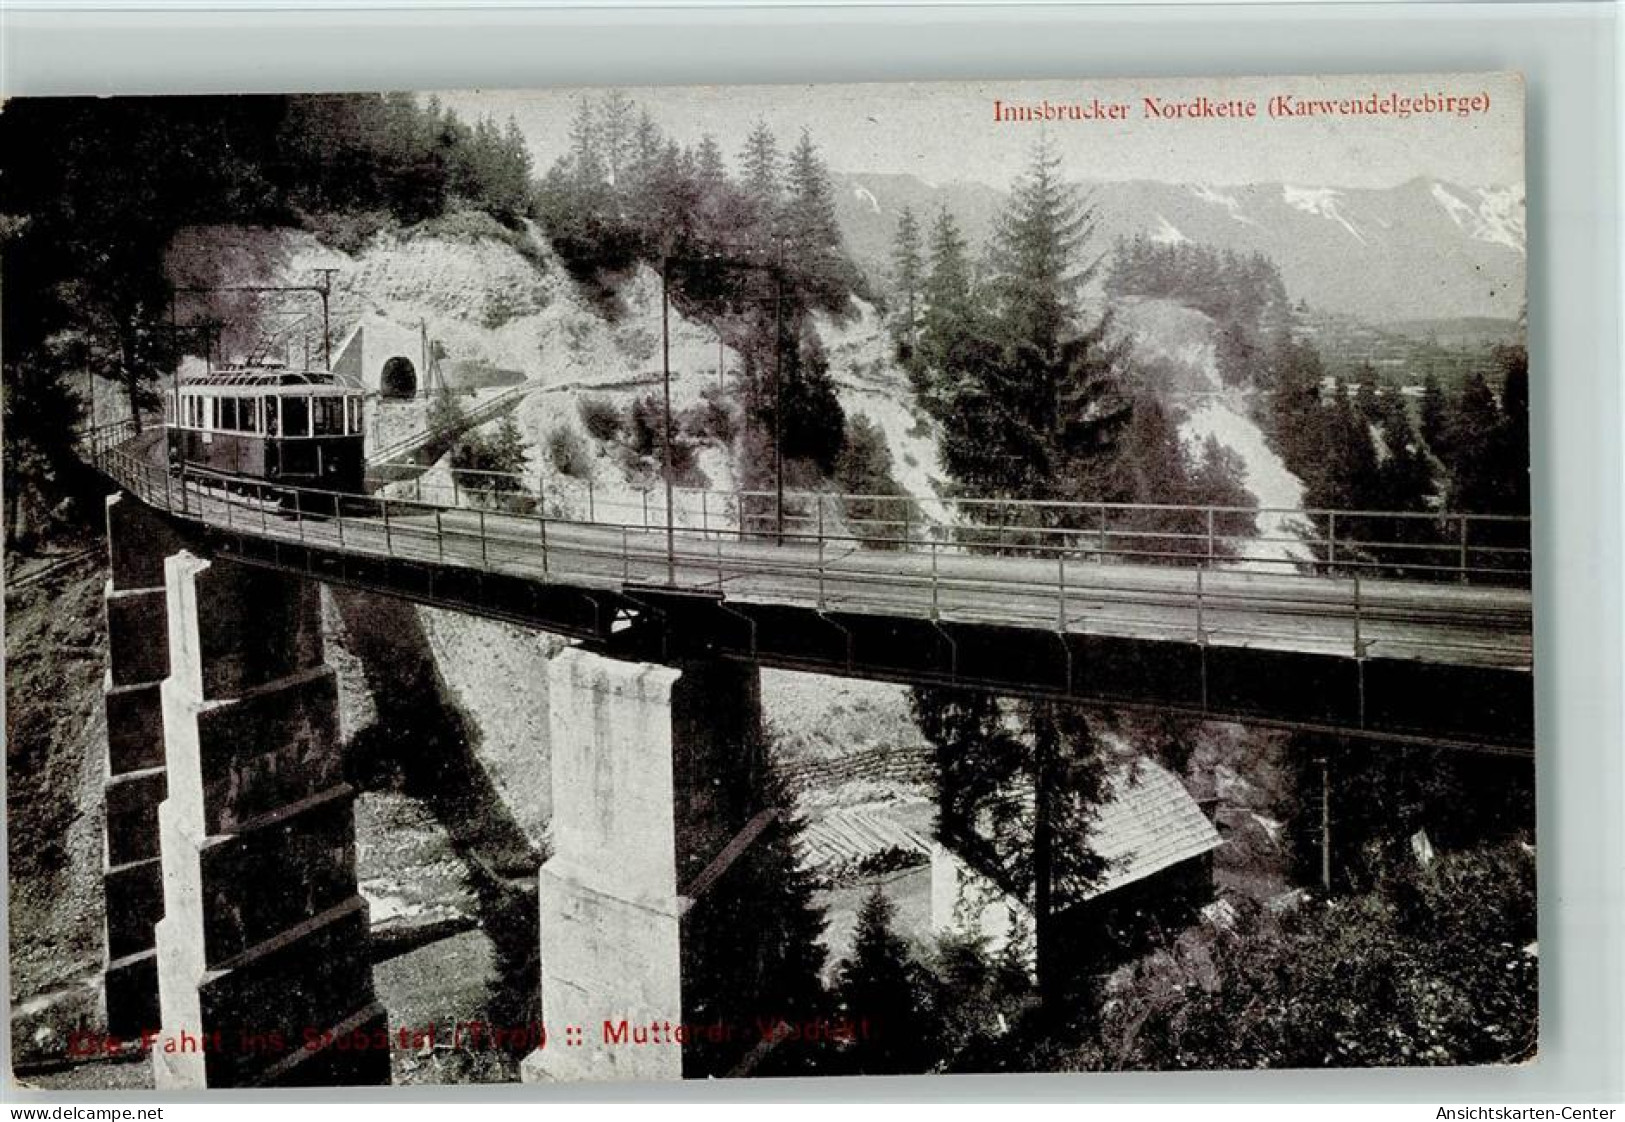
(586, 159)
(881, 990)
(950, 324)
(907, 270)
(1512, 449)
(1017, 783)
(863, 468)
(811, 231)
(646, 148)
(759, 165)
(948, 288)
(1435, 418)
(709, 166)
(722, 213)
(1032, 403)
(1404, 482)
(814, 422)
(1476, 482)
(1032, 408)
(516, 170)
(1347, 473)
(752, 953)
(1035, 255)
(615, 134)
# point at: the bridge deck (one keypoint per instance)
(1459, 625)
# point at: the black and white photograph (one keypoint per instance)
(648, 583)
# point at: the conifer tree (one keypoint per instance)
(615, 125)
(1512, 449)
(882, 990)
(646, 147)
(948, 288)
(811, 232)
(1475, 486)
(1435, 418)
(1035, 255)
(760, 171)
(586, 160)
(710, 169)
(752, 954)
(1032, 401)
(951, 331)
(907, 269)
(1032, 407)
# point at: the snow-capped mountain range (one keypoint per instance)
(1422, 250)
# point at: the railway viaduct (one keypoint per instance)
(231, 886)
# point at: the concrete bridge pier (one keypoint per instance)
(654, 771)
(134, 779)
(264, 942)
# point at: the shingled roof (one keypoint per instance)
(1147, 824)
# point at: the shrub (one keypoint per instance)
(464, 226)
(348, 233)
(647, 425)
(602, 419)
(711, 419)
(864, 467)
(471, 226)
(501, 308)
(567, 452)
(638, 343)
(646, 437)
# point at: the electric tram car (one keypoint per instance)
(269, 424)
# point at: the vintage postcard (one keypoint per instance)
(642, 584)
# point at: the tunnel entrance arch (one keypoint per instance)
(399, 379)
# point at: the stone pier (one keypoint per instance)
(138, 662)
(653, 772)
(264, 941)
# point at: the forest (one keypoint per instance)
(1363, 443)
(754, 252)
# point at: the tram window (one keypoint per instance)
(352, 410)
(270, 417)
(329, 416)
(228, 413)
(296, 416)
(248, 414)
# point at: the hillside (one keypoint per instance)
(1182, 340)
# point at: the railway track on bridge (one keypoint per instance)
(932, 589)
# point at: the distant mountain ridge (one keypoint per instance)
(1422, 250)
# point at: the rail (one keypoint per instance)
(1417, 545)
(1067, 580)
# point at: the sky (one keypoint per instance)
(946, 132)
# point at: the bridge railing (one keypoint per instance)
(1056, 584)
(1413, 545)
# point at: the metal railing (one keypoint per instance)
(1054, 578)
(1409, 545)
